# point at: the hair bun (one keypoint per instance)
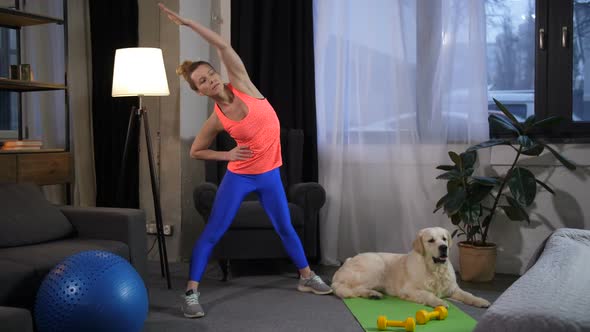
(184, 68)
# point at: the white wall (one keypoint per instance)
(183, 114)
(569, 207)
(517, 241)
(194, 110)
(155, 30)
(176, 119)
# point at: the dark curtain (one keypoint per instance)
(274, 38)
(113, 26)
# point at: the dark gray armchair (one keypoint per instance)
(251, 235)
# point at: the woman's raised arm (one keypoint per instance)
(238, 76)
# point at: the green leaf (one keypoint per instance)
(514, 203)
(454, 233)
(544, 185)
(559, 157)
(534, 150)
(525, 141)
(523, 186)
(450, 175)
(468, 158)
(445, 167)
(456, 219)
(547, 122)
(486, 180)
(513, 213)
(453, 185)
(441, 202)
(467, 172)
(478, 192)
(455, 158)
(470, 213)
(455, 201)
(507, 114)
(488, 144)
(504, 123)
(529, 122)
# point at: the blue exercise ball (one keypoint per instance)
(91, 291)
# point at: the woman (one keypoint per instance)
(242, 111)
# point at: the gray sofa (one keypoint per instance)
(554, 293)
(36, 235)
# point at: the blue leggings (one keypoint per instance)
(232, 190)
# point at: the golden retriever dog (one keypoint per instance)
(424, 275)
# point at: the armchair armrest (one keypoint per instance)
(125, 225)
(310, 196)
(203, 197)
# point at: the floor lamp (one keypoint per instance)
(139, 71)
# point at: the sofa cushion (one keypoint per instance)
(43, 257)
(16, 320)
(252, 243)
(28, 218)
(17, 283)
(252, 215)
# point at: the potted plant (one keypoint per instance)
(473, 202)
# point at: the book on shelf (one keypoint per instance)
(20, 148)
(22, 143)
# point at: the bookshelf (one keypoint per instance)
(23, 86)
(13, 18)
(42, 166)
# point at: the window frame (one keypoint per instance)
(553, 94)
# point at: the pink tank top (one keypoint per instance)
(259, 130)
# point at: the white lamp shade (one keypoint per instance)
(139, 71)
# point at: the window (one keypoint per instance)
(580, 47)
(9, 101)
(536, 62)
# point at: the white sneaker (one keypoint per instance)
(313, 284)
(191, 307)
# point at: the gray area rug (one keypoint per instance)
(245, 303)
(264, 298)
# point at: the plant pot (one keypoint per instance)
(477, 263)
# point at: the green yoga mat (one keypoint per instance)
(366, 312)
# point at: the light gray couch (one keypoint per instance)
(554, 293)
(36, 235)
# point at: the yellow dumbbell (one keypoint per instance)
(439, 313)
(409, 324)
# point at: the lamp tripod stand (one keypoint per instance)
(136, 116)
(139, 71)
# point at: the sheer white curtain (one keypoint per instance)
(80, 88)
(44, 112)
(398, 84)
(43, 47)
